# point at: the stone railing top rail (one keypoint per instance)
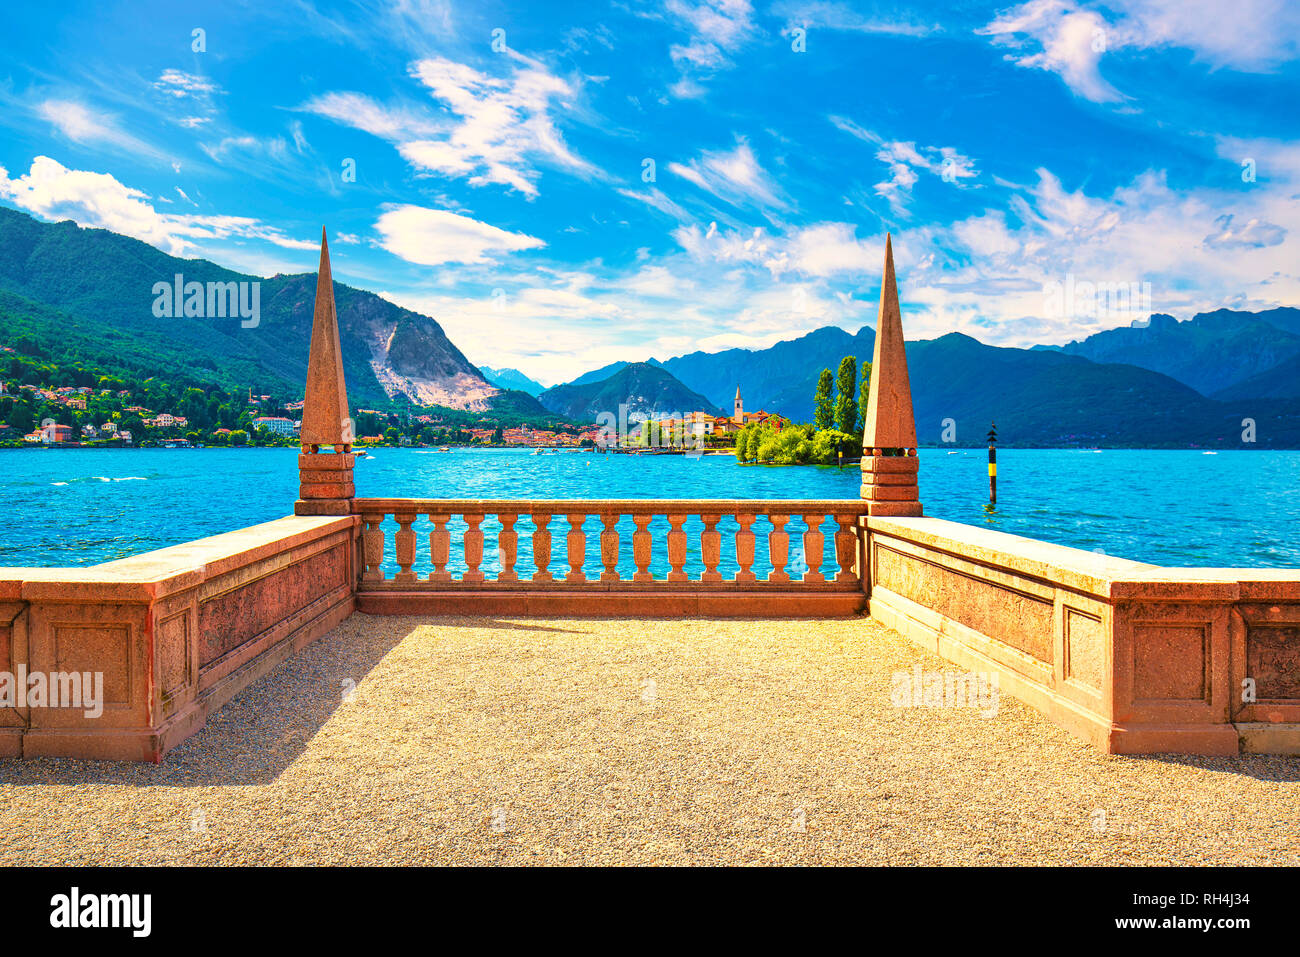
(150, 575)
(592, 506)
(1091, 572)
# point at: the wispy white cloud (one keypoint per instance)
(904, 158)
(431, 237)
(828, 15)
(188, 98)
(820, 250)
(1254, 233)
(655, 198)
(361, 112)
(1199, 249)
(52, 191)
(88, 127)
(244, 146)
(492, 130)
(1062, 38)
(181, 85)
(733, 175)
(1071, 38)
(717, 29)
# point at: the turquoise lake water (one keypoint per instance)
(84, 506)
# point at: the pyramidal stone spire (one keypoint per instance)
(325, 408)
(325, 479)
(889, 423)
(889, 463)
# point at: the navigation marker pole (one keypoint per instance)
(993, 463)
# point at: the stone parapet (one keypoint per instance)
(1133, 658)
(175, 633)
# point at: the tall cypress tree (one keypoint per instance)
(822, 415)
(846, 385)
(864, 395)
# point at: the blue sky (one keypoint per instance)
(563, 185)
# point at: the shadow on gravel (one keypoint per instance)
(268, 725)
(1282, 768)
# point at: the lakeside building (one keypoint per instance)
(702, 423)
(740, 418)
(277, 424)
(699, 423)
(55, 434)
(165, 420)
(723, 425)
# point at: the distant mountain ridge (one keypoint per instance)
(773, 378)
(1041, 396)
(1160, 384)
(101, 284)
(512, 379)
(647, 390)
(1213, 352)
(604, 372)
(1047, 398)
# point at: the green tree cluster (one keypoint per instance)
(794, 445)
(839, 413)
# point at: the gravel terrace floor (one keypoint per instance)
(547, 741)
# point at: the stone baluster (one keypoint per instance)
(846, 548)
(814, 543)
(404, 544)
(609, 547)
(677, 548)
(641, 548)
(542, 547)
(508, 548)
(577, 548)
(440, 548)
(778, 548)
(373, 547)
(745, 548)
(473, 548)
(711, 548)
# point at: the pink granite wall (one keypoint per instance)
(175, 633)
(1131, 657)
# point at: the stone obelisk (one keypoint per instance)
(889, 464)
(325, 478)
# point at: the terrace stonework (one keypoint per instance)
(1130, 657)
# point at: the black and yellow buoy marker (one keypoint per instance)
(993, 463)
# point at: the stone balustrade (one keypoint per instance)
(749, 557)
